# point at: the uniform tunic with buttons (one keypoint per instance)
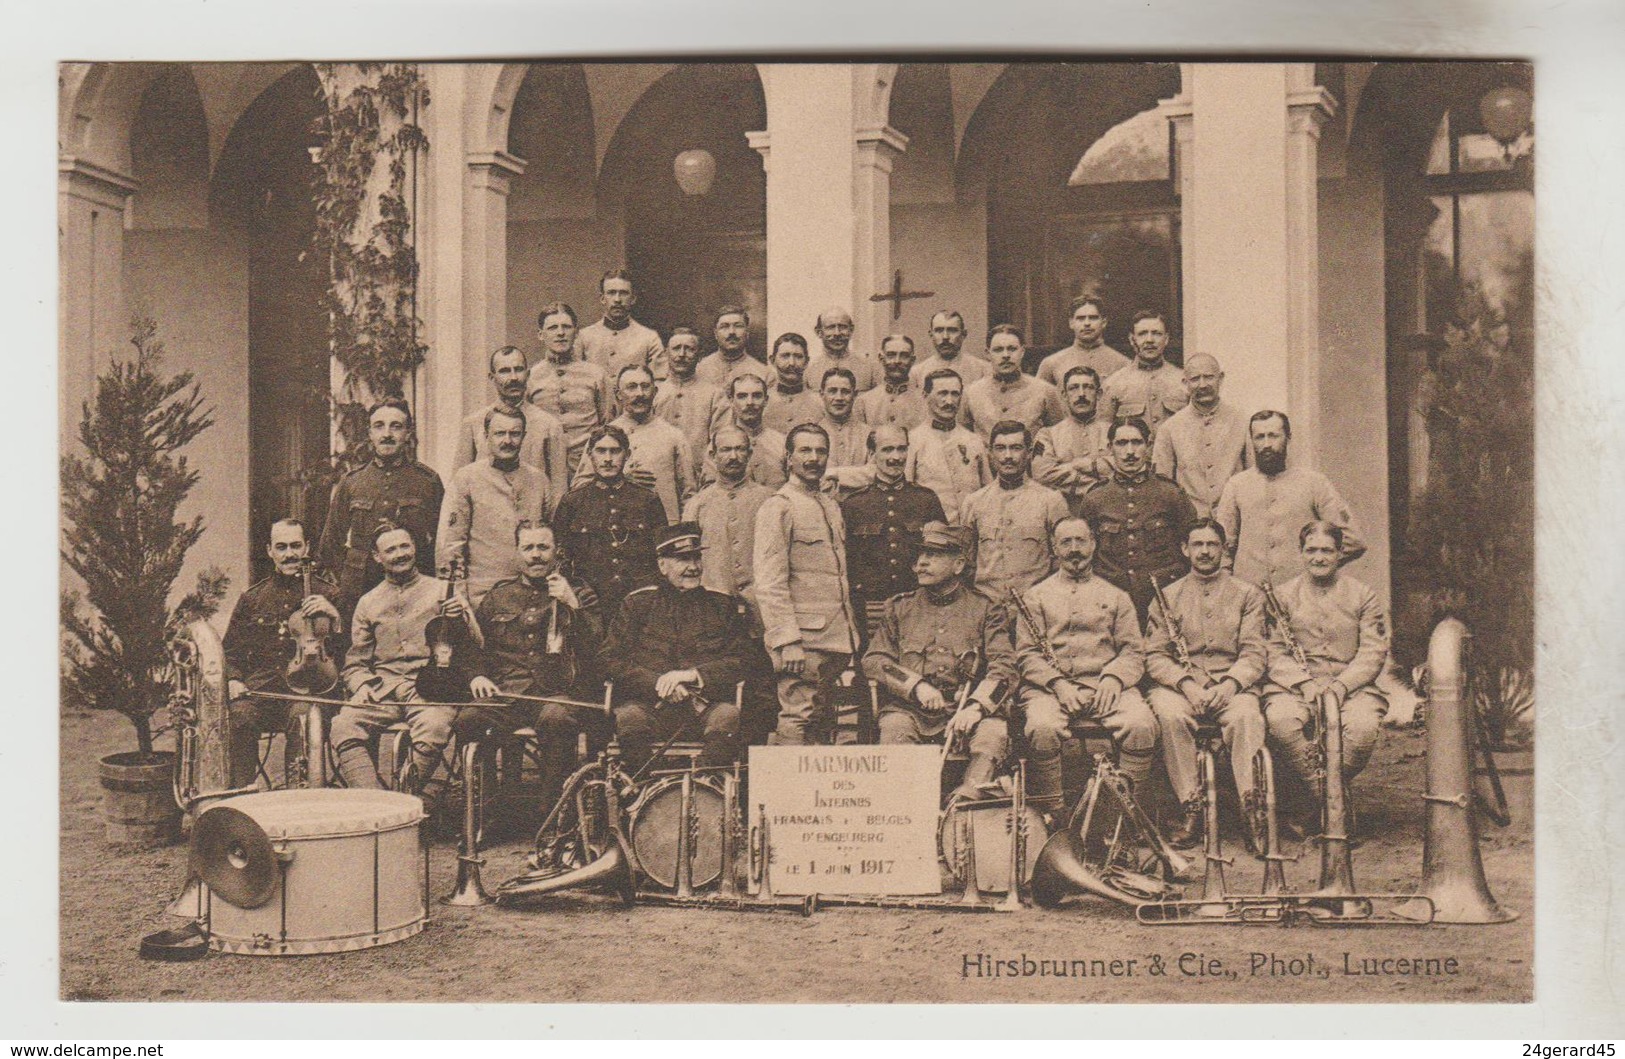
(1071, 456)
(951, 463)
(719, 371)
(694, 407)
(1200, 452)
(1012, 535)
(1103, 358)
(1141, 523)
(865, 368)
(1023, 399)
(968, 367)
(766, 464)
(884, 406)
(1153, 393)
(1263, 515)
(883, 524)
(578, 393)
(801, 572)
(613, 349)
(387, 642)
(848, 454)
(785, 410)
(607, 532)
(544, 445)
(486, 503)
(727, 518)
(514, 618)
(406, 493)
(257, 645)
(659, 448)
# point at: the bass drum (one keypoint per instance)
(654, 821)
(991, 842)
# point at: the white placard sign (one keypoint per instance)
(849, 819)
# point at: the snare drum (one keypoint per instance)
(655, 819)
(310, 871)
(991, 842)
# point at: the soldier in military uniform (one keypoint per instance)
(392, 488)
(883, 523)
(897, 400)
(542, 634)
(606, 526)
(1010, 521)
(675, 652)
(1088, 348)
(258, 649)
(1342, 629)
(1221, 622)
(1005, 393)
(726, 513)
(747, 397)
(790, 401)
(1142, 518)
(936, 642)
(942, 455)
(1089, 627)
(1149, 387)
(1072, 455)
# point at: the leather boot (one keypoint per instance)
(1188, 832)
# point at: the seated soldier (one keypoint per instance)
(541, 634)
(388, 647)
(675, 651)
(1342, 630)
(1081, 658)
(257, 647)
(936, 642)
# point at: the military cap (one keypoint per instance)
(683, 538)
(941, 537)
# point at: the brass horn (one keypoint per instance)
(1452, 870)
(470, 892)
(614, 865)
(1063, 868)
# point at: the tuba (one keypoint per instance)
(1136, 864)
(198, 708)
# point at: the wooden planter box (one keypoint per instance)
(138, 806)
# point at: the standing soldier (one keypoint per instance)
(849, 467)
(1212, 672)
(948, 338)
(747, 397)
(392, 488)
(1081, 658)
(883, 526)
(544, 448)
(1204, 443)
(692, 406)
(801, 584)
(1011, 520)
(942, 455)
(790, 402)
(487, 500)
(606, 526)
(933, 643)
(1142, 518)
(1342, 630)
(726, 511)
(1072, 455)
(576, 391)
(1150, 387)
(897, 401)
(731, 357)
(834, 330)
(1007, 393)
(1088, 348)
(257, 647)
(618, 340)
(659, 459)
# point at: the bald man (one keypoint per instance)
(834, 332)
(1204, 443)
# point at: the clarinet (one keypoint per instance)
(1283, 622)
(1181, 648)
(1044, 646)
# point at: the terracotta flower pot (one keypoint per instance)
(138, 806)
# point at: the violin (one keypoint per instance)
(312, 670)
(444, 676)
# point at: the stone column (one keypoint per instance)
(1308, 107)
(91, 201)
(878, 149)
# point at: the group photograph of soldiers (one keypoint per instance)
(1120, 562)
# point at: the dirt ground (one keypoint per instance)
(588, 948)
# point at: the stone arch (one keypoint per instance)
(96, 108)
(169, 153)
(550, 126)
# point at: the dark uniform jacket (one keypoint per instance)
(964, 638)
(515, 617)
(883, 537)
(257, 645)
(1141, 523)
(660, 628)
(407, 494)
(607, 532)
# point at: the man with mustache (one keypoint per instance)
(617, 340)
(747, 398)
(731, 357)
(1149, 387)
(942, 455)
(487, 500)
(884, 521)
(1204, 443)
(1007, 394)
(1221, 621)
(675, 652)
(1343, 631)
(607, 525)
(391, 487)
(1071, 456)
(659, 459)
(834, 330)
(789, 401)
(574, 390)
(544, 447)
(683, 400)
(726, 512)
(1088, 348)
(1010, 521)
(1143, 519)
(936, 642)
(1091, 629)
(897, 401)
(1259, 507)
(948, 338)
